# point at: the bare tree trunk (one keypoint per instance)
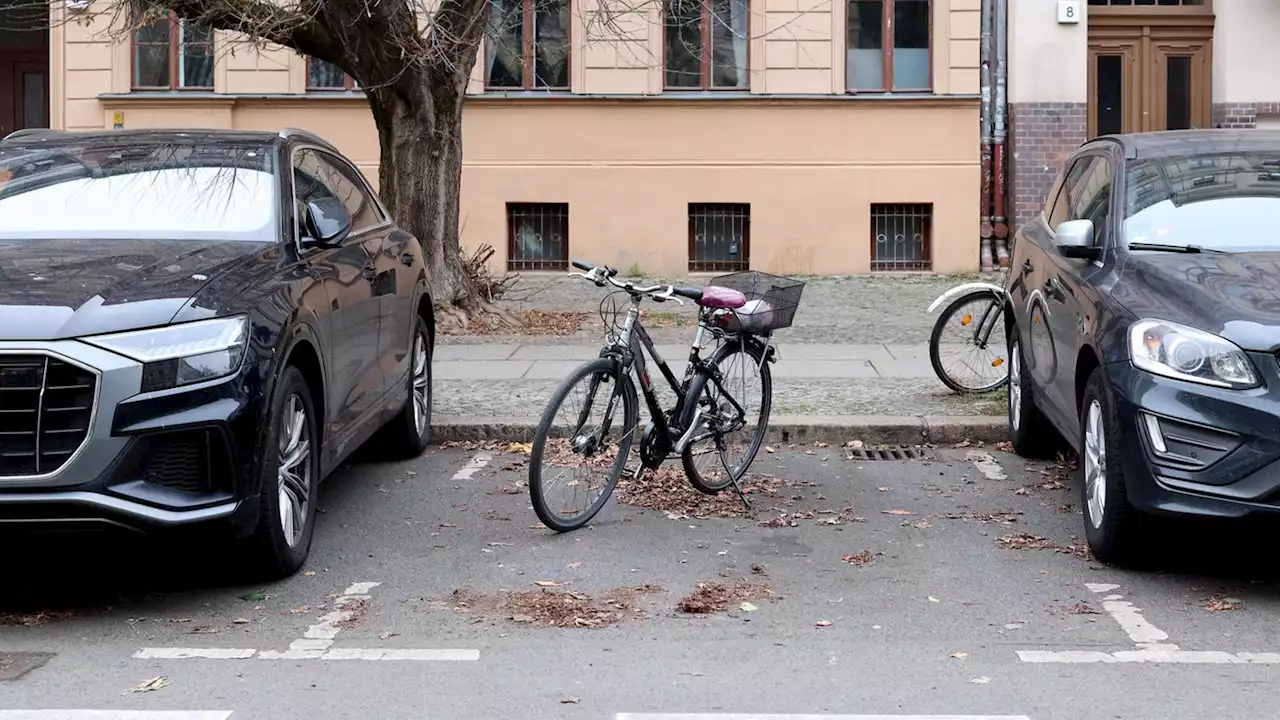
(420, 180)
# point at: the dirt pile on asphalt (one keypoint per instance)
(714, 597)
(548, 607)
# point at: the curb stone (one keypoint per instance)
(783, 429)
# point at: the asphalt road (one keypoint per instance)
(896, 588)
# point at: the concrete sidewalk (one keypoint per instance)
(878, 393)
(553, 362)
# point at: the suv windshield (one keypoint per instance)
(1221, 201)
(169, 190)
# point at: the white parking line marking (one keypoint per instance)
(986, 464)
(1147, 638)
(112, 715)
(753, 716)
(477, 463)
(317, 643)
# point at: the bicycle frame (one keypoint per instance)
(628, 349)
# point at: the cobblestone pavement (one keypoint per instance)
(859, 309)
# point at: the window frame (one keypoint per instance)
(175, 50)
(348, 82)
(925, 264)
(705, 210)
(523, 265)
(528, 53)
(887, 51)
(704, 71)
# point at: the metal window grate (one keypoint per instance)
(537, 236)
(900, 236)
(719, 237)
(891, 452)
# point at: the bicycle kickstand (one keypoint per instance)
(736, 485)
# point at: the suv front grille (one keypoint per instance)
(45, 408)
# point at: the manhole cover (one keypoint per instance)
(14, 665)
(891, 452)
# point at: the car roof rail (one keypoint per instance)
(30, 132)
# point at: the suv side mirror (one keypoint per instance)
(328, 222)
(1075, 239)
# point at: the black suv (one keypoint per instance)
(196, 328)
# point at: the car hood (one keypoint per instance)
(1235, 295)
(55, 289)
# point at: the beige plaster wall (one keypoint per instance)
(1048, 61)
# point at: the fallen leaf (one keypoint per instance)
(309, 573)
(549, 583)
(959, 655)
(897, 511)
(1222, 604)
(866, 557)
(204, 630)
(981, 680)
(747, 607)
(923, 524)
(254, 596)
(933, 599)
(151, 684)
(823, 623)
(388, 634)
(575, 565)
(570, 700)
(241, 621)
(769, 449)
(883, 489)
(525, 448)
(1081, 609)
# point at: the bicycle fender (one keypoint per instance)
(966, 288)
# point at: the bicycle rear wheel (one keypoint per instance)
(581, 452)
(972, 329)
(711, 461)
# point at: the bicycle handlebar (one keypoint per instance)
(600, 274)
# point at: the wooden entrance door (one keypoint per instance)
(24, 90)
(1150, 68)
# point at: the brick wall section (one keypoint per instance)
(1242, 115)
(1041, 136)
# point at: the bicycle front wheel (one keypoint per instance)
(571, 470)
(967, 349)
(735, 416)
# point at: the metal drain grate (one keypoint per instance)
(891, 452)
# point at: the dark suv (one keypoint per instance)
(196, 328)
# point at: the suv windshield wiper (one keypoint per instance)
(1173, 248)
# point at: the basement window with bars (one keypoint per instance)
(719, 237)
(537, 236)
(901, 236)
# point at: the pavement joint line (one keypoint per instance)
(317, 642)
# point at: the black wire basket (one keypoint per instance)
(772, 301)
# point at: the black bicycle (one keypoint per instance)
(707, 422)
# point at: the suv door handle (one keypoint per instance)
(1027, 267)
(369, 272)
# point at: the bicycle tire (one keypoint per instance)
(935, 340)
(630, 417)
(697, 387)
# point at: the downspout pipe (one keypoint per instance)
(986, 189)
(1001, 131)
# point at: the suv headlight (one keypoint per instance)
(1177, 351)
(179, 355)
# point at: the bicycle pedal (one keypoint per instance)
(634, 473)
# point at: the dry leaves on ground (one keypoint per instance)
(1027, 541)
(532, 322)
(1081, 608)
(1218, 603)
(546, 607)
(866, 557)
(669, 320)
(713, 597)
(355, 609)
(668, 490)
(35, 619)
(1002, 517)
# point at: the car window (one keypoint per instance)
(1057, 208)
(1227, 201)
(1091, 196)
(330, 174)
(165, 188)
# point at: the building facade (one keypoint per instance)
(806, 137)
(1131, 66)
